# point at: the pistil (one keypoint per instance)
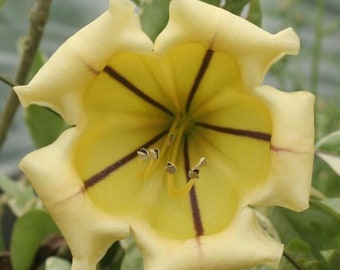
(168, 154)
(153, 162)
(173, 157)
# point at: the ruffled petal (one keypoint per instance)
(254, 49)
(125, 94)
(88, 231)
(242, 244)
(292, 147)
(61, 82)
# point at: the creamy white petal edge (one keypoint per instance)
(61, 82)
(254, 49)
(292, 149)
(243, 244)
(88, 231)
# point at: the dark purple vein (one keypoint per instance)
(90, 182)
(196, 214)
(134, 89)
(257, 135)
(204, 66)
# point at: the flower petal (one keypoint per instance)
(123, 97)
(253, 48)
(61, 82)
(88, 231)
(292, 147)
(242, 244)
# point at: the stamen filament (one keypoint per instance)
(170, 148)
(153, 162)
(178, 139)
(174, 191)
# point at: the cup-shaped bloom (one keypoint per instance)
(172, 140)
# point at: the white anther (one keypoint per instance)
(201, 163)
(193, 173)
(143, 153)
(154, 153)
(170, 168)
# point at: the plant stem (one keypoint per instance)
(7, 81)
(38, 17)
(317, 49)
(292, 261)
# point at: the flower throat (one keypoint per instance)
(181, 126)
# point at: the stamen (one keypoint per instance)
(170, 168)
(152, 164)
(150, 154)
(174, 191)
(194, 173)
(175, 137)
(201, 163)
(143, 154)
(154, 153)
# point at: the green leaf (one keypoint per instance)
(333, 203)
(318, 226)
(154, 16)
(305, 234)
(45, 125)
(326, 208)
(20, 196)
(55, 263)
(332, 257)
(113, 257)
(133, 258)
(333, 161)
(38, 62)
(9, 186)
(28, 233)
(216, 3)
(330, 143)
(2, 240)
(325, 179)
(328, 149)
(137, 2)
(235, 6)
(255, 12)
(300, 254)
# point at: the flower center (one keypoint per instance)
(152, 122)
(168, 154)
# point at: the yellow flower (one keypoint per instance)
(172, 140)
